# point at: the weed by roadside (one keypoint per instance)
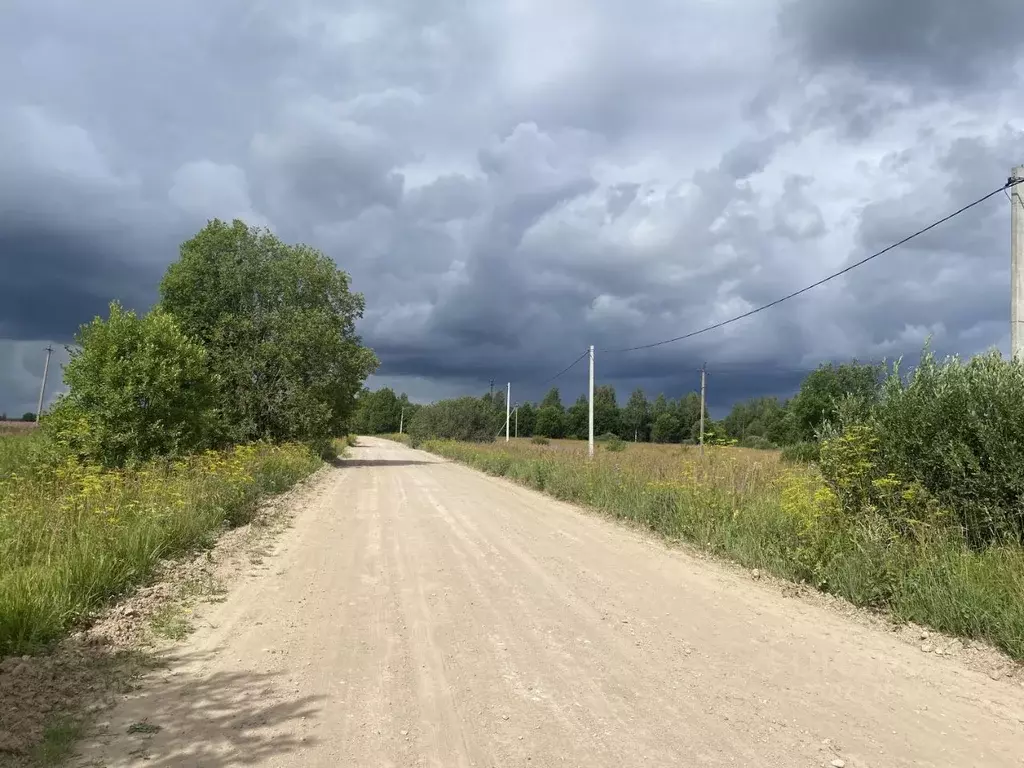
(171, 622)
(342, 444)
(59, 738)
(73, 537)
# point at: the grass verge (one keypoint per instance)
(762, 513)
(342, 444)
(74, 537)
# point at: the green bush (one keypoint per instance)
(801, 453)
(757, 442)
(950, 436)
(539, 440)
(138, 389)
(613, 443)
(467, 419)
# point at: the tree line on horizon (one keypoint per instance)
(760, 422)
(27, 416)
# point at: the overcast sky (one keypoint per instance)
(508, 181)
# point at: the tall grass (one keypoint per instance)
(72, 537)
(750, 507)
(18, 450)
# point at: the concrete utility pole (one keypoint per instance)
(703, 376)
(42, 387)
(401, 420)
(508, 412)
(590, 398)
(1017, 265)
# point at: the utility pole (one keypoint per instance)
(42, 387)
(1017, 265)
(401, 420)
(590, 398)
(517, 420)
(703, 376)
(508, 413)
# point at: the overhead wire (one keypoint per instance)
(565, 370)
(1009, 183)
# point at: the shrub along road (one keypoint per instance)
(420, 613)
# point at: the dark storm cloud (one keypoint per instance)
(927, 43)
(510, 182)
(54, 281)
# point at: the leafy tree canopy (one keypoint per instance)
(138, 389)
(278, 322)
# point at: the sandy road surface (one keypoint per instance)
(419, 613)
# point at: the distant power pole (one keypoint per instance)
(42, 387)
(703, 377)
(517, 420)
(492, 390)
(401, 420)
(590, 398)
(1017, 265)
(508, 412)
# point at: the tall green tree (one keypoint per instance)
(551, 416)
(138, 388)
(550, 422)
(527, 419)
(760, 417)
(378, 412)
(552, 400)
(658, 407)
(823, 390)
(687, 412)
(636, 417)
(665, 428)
(606, 411)
(577, 419)
(278, 322)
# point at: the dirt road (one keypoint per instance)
(421, 614)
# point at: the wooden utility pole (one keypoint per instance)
(703, 377)
(1017, 265)
(42, 387)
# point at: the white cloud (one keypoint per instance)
(206, 190)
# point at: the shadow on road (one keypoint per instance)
(339, 462)
(212, 720)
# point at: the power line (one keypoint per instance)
(1009, 183)
(565, 370)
